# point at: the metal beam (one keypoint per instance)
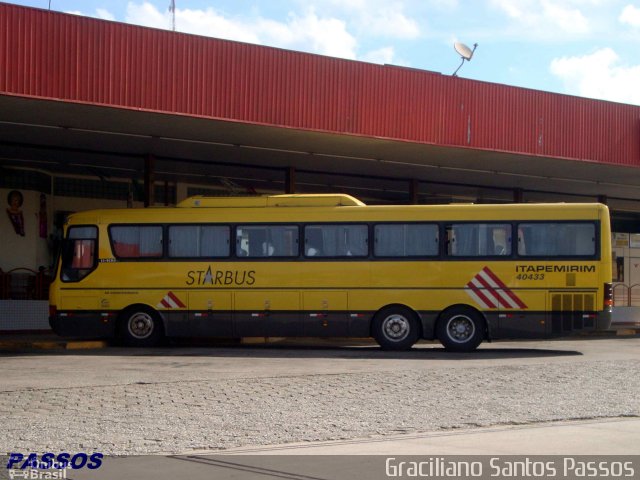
(414, 190)
(149, 184)
(518, 195)
(290, 180)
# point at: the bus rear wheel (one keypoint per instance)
(460, 329)
(140, 327)
(396, 328)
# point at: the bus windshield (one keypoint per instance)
(79, 253)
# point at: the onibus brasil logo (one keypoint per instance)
(50, 465)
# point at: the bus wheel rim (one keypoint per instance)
(461, 328)
(140, 325)
(396, 327)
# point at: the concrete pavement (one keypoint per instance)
(616, 436)
(369, 458)
(227, 412)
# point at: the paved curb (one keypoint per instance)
(87, 345)
(17, 345)
(626, 332)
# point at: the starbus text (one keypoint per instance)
(221, 277)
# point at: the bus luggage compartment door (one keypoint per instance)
(210, 314)
(267, 313)
(325, 314)
(528, 322)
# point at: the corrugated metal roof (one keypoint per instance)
(78, 59)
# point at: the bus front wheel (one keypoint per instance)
(460, 329)
(395, 328)
(140, 327)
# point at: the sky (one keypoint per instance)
(589, 48)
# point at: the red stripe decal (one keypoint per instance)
(481, 295)
(165, 304)
(176, 300)
(494, 277)
(493, 291)
(512, 295)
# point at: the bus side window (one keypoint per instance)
(313, 242)
(478, 239)
(557, 239)
(356, 240)
(261, 241)
(522, 246)
(203, 241)
(501, 239)
(405, 240)
(336, 240)
(136, 241)
(450, 241)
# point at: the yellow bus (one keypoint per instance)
(331, 266)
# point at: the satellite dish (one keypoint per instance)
(464, 51)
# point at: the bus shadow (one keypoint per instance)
(344, 352)
(297, 350)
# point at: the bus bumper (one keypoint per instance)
(603, 320)
(534, 325)
(83, 324)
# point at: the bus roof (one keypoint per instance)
(334, 208)
(311, 200)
